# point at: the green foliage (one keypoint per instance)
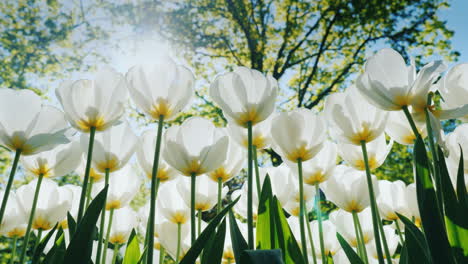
(132, 253)
(349, 251)
(397, 166)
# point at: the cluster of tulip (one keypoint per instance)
(389, 98)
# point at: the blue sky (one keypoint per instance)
(457, 20)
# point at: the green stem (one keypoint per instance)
(30, 221)
(11, 178)
(106, 242)
(249, 187)
(116, 250)
(358, 237)
(220, 189)
(388, 256)
(311, 240)
(13, 251)
(319, 217)
(435, 158)
(192, 207)
(154, 190)
(301, 212)
(90, 191)
(179, 225)
(400, 234)
(362, 241)
(257, 172)
(162, 253)
(373, 204)
(103, 219)
(411, 121)
(89, 158)
(38, 240)
(199, 216)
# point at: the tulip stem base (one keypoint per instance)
(6, 195)
(360, 238)
(106, 241)
(193, 179)
(373, 204)
(319, 218)
(90, 191)
(13, 250)
(103, 219)
(220, 189)
(31, 218)
(179, 231)
(257, 172)
(116, 251)
(302, 212)
(84, 189)
(314, 257)
(400, 234)
(249, 187)
(154, 191)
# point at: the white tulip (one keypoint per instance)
(390, 84)
(145, 156)
(161, 89)
(399, 129)
(97, 103)
(56, 162)
(168, 238)
(32, 128)
(352, 119)
(75, 203)
(331, 244)
(245, 95)
(454, 89)
(232, 165)
(377, 151)
(124, 221)
(284, 183)
(393, 199)
(53, 203)
(196, 147)
(413, 204)
(347, 188)
(456, 140)
(392, 242)
(112, 148)
(320, 168)
(15, 219)
(123, 186)
(94, 174)
(171, 205)
(298, 135)
(261, 136)
(344, 224)
(206, 192)
(241, 206)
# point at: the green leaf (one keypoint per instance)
(271, 256)
(428, 208)
(456, 213)
(79, 250)
(42, 245)
(404, 254)
(353, 257)
(143, 256)
(71, 224)
(213, 252)
(200, 243)
(56, 254)
(461, 186)
(415, 243)
(132, 253)
(265, 218)
(286, 240)
(238, 242)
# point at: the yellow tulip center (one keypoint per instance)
(162, 174)
(353, 206)
(41, 223)
(18, 142)
(250, 115)
(365, 134)
(160, 108)
(95, 175)
(16, 232)
(96, 121)
(302, 153)
(113, 205)
(178, 218)
(42, 169)
(409, 138)
(258, 141)
(373, 164)
(194, 167)
(314, 178)
(219, 174)
(117, 239)
(111, 164)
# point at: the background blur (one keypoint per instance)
(313, 48)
